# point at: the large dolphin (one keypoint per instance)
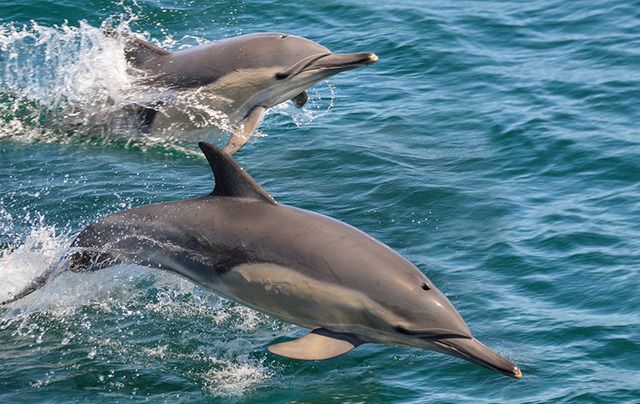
(301, 267)
(241, 77)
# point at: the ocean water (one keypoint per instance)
(494, 144)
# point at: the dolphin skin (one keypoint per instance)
(299, 266)
(241, 77)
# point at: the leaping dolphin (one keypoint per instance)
(241, 77)
(299, 266)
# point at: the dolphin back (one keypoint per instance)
(204, 64)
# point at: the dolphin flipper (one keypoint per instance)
(141, 116)
(245, 129)
(319, 344)
(300, 99)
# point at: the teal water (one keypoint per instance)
(494, 144)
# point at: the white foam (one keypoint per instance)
(75, 73)
(22, 262)
(72, 83)
(235, 379)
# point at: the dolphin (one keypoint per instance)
(299, 266)
(241, 77)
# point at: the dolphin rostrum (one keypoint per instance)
(241, 77)
(299, 266)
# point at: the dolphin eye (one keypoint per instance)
(425, 286)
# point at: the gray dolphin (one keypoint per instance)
(241, 77)
(301, 267)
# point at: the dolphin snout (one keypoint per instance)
(343, 61)
(474, 351)
(365, 58)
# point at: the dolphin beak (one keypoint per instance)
(336, 61)
(328, 63)
(474, 351)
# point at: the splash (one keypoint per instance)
(321, 101)
(73, 84)
(24, 260)
(108, 316)
(235, 379)
(57, 78)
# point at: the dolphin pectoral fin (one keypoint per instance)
(245, 130)
(141, 115)
(319, 344)
(300, 99)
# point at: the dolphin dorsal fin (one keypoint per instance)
(137, 51)
(231, 179)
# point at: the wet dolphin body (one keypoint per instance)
(301, 267)
(241, 77)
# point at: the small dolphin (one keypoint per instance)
(241, 77)
(301, 267)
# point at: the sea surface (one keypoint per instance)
(495, 144)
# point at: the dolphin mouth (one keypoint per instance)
(329, 62)
(474, 351)
(432, 333)
(340, 62)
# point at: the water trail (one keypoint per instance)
(57, 78)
